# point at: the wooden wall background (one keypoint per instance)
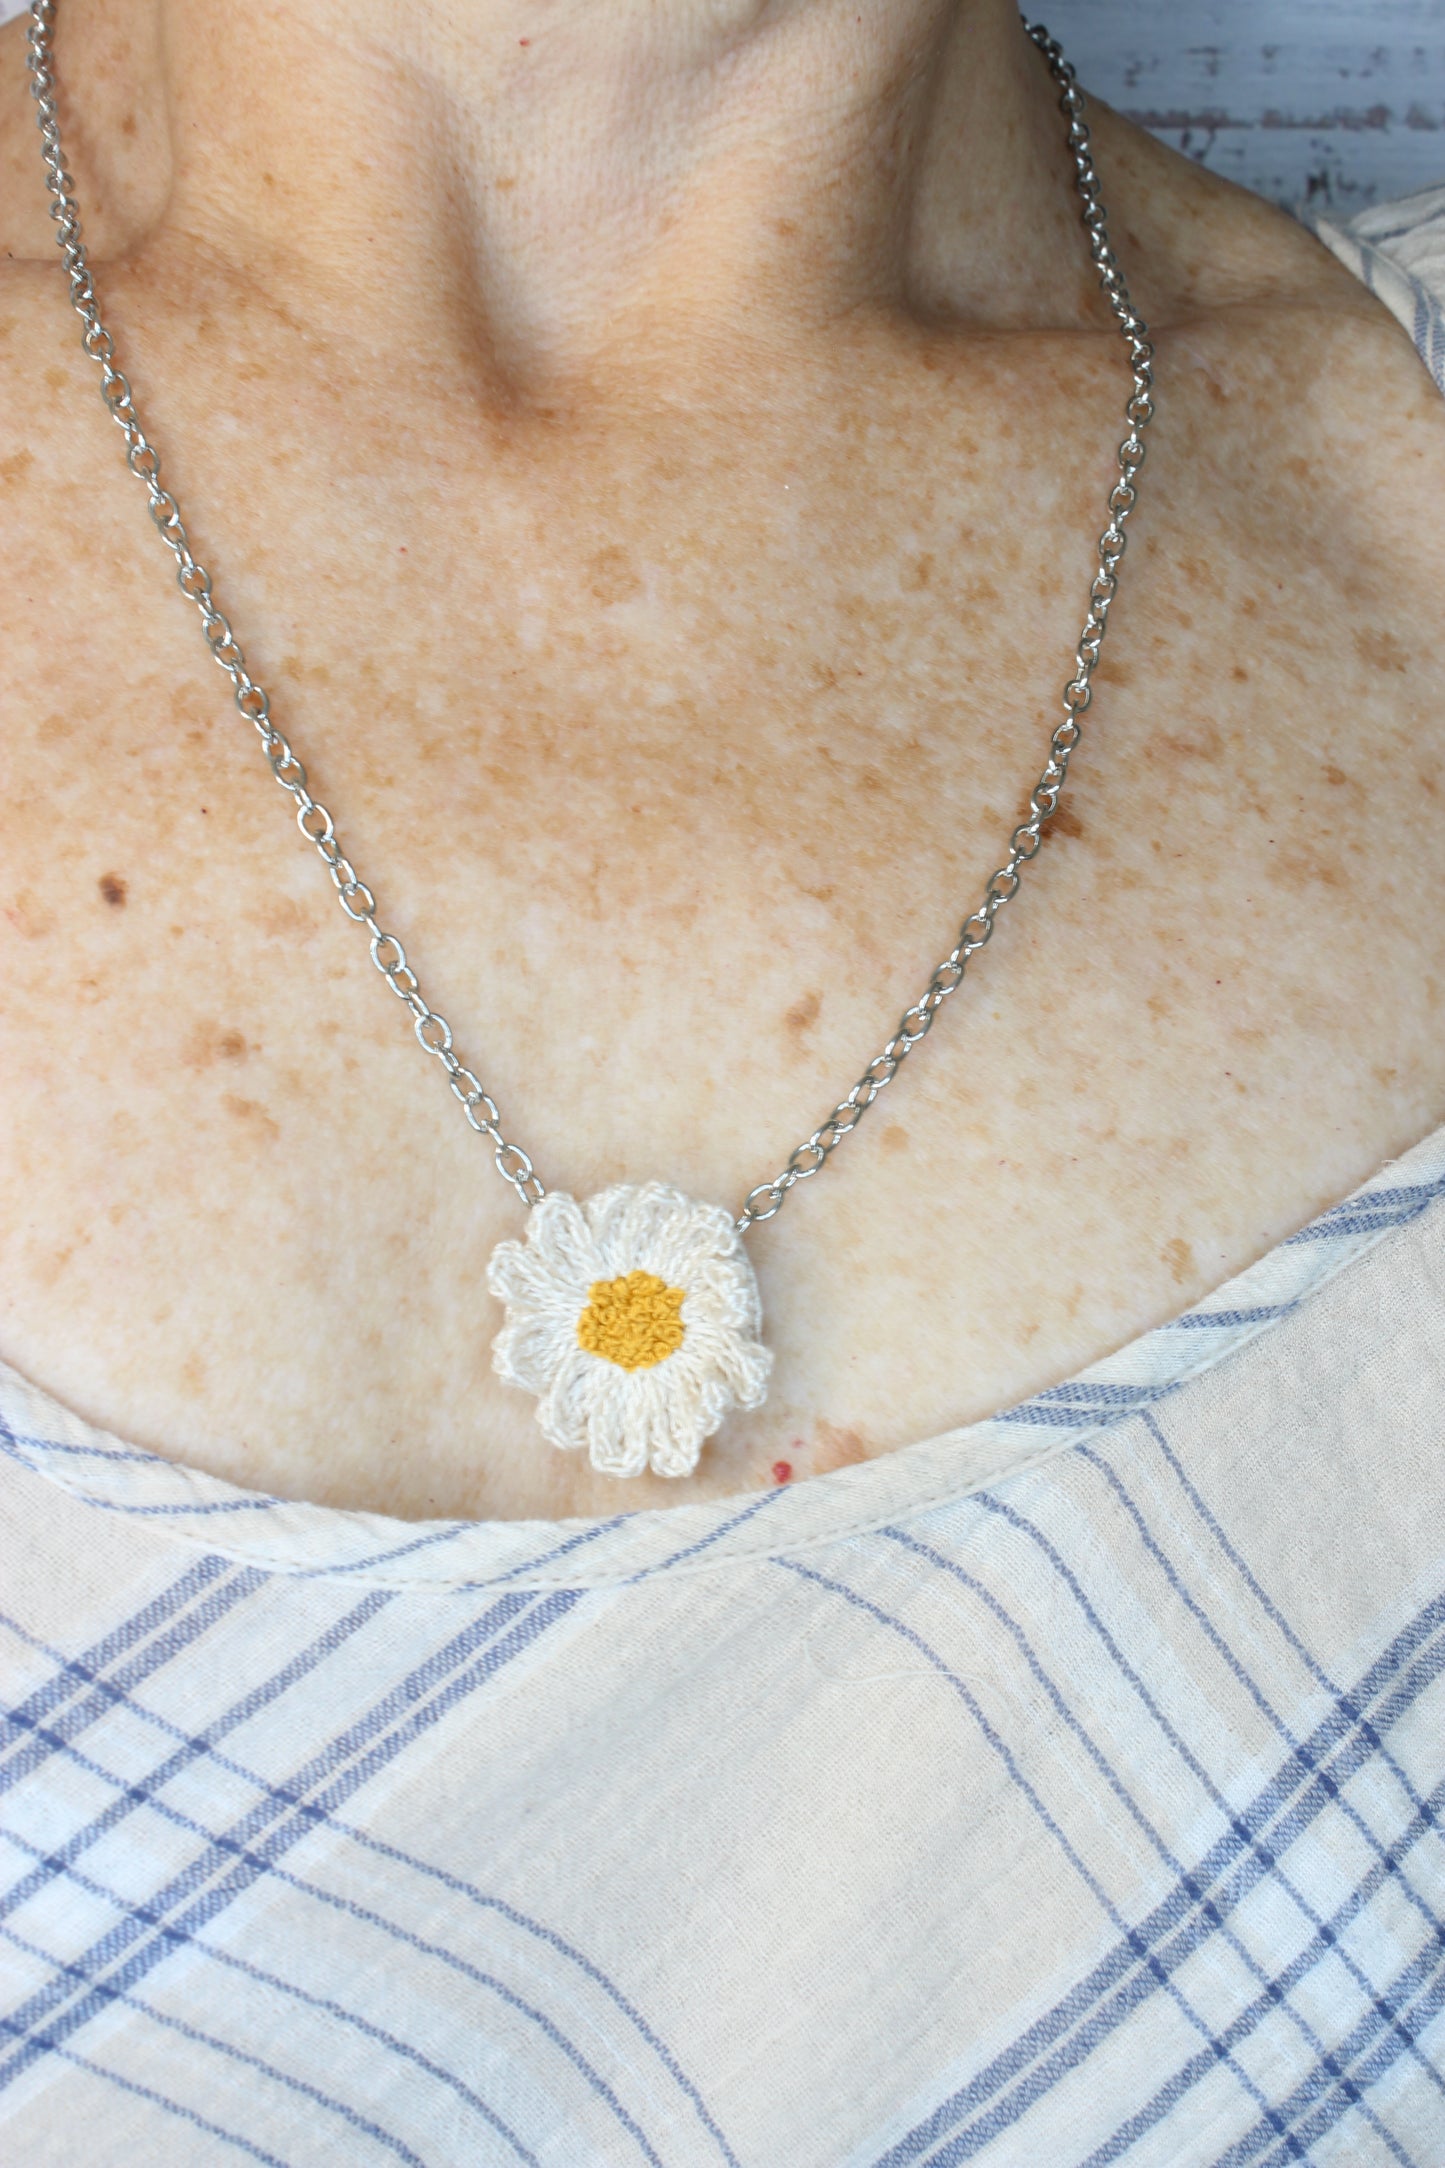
(1335, 102)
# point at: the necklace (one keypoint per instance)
(634, 1315)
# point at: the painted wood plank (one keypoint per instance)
(1336, 102)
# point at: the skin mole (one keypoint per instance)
(113, 888)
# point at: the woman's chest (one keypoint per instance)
(674, 818)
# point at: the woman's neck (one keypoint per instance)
(571, 191)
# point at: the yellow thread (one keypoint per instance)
(632, 1322)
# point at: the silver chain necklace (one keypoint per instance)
(634, 1316)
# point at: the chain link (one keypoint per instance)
(433, 1032)
(1002, 886)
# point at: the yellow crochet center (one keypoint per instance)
(632, 1322)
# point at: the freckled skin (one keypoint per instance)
(676, 781)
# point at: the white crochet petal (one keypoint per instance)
(563, 1408)
(721, 1291)
(558, 1232)
(629, 1223)
(532, 1347)
(683, 1419)
(558, 1255)
(616, 1439)
(743, 1366)
(699, 1234)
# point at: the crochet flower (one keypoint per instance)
(635, 1318)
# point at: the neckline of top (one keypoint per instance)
(309, 1541)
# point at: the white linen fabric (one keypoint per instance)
(1061, 1791)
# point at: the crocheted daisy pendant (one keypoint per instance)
(635, 1318)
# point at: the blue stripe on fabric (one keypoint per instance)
(82, 1452)
(252, 1863)
(1258, 1313)
(590, 1534)
(1185, 2079)
(966, 2143)
(14, 1445)
(240, 1712)
(386, 2139)
(122, 1638)
(142, 1794)
(759, 1504)
(1376, 1209)
(1262, 1703)
(447, 1534)
(407, 1695)
(907, 2151)
(1191, 1761)
(1122, 1396)
(1043, 1415)
(173, 1934)
(1214, 1913)
(227, 1959)
(1266, 1602)
(1417, 1976)
(27, 1755)
(1074, 2009)
(159, 2100)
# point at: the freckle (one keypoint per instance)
(916, 576)
(782, 1471)
(1240, 674)
(1065, 822)
(614, 578)
(802, 1016)
(1380, 650)
(894, 1138)
(1179, 1257)
(29, 916)
(1335, 776)
(252, 1112)
(839, 1447)
(207, 1044)
(112, 887)
(17, 466)
(56, 379)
